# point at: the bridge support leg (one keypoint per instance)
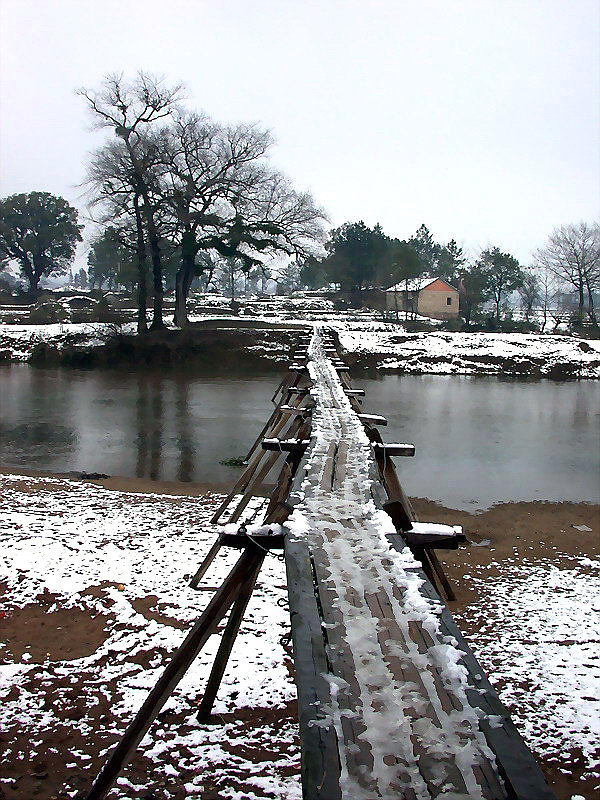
(247, 565)
(208, 559)
(227, 640)
(441, 575)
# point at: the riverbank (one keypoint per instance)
(96, 596)
(268, 343)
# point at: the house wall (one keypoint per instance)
(432, 301)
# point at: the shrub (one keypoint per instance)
(47, 312)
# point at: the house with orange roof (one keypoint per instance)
(430, 297)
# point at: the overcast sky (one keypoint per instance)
(480, 118)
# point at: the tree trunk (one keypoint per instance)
(591, 311)
(142, 289)
(580, 290)
(183, 282)
(157, 315)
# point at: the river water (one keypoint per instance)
(479, 440)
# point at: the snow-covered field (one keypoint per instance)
(128, 557)
(535, 630)
(74, 552)
(446, 353)
(366, 343)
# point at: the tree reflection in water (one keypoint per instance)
(149, 408)
(185, 467)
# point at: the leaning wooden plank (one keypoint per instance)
(227, 640)
(208, 560)
(174, 672)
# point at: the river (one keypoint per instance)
(479, 440)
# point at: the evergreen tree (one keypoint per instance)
(355, 255)
(38, 231)
(503, 274)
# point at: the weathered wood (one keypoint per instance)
(372, 419)
(302, 410)
(227, 640)
(286, 445)
(247, 476)
(440, 574)
(395, 448)
(208, 560)
(240, 540)
(267, 466)
(517, 765)
(174, 671)
(320, 766)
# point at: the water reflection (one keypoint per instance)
(185, 466)
(479, 440)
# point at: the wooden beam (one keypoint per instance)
(354, 392)
(286, 445)
(293, 410)
(208, 559)
(320, 765)
(297, 390)
(394, 448)
(373, 419)
(227, 640)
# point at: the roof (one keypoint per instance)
(417, 285)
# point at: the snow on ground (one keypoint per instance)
(78, 547)
(535, 631)
(467, 353)
(17, 342)
(67, 547)
(366, 342)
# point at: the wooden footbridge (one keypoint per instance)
(392, 703)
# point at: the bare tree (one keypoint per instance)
(547, 294)
(572, 254)
(205, 169)
(114, 187)
(223, 198)
(529, 293)
(131, 109)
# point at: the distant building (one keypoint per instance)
(430, 297)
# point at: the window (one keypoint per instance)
(448, 301)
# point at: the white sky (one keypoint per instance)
(480, 118)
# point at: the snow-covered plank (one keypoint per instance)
(398, 703)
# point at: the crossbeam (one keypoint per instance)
(372, 419)
(394, 448)
(286, 445)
